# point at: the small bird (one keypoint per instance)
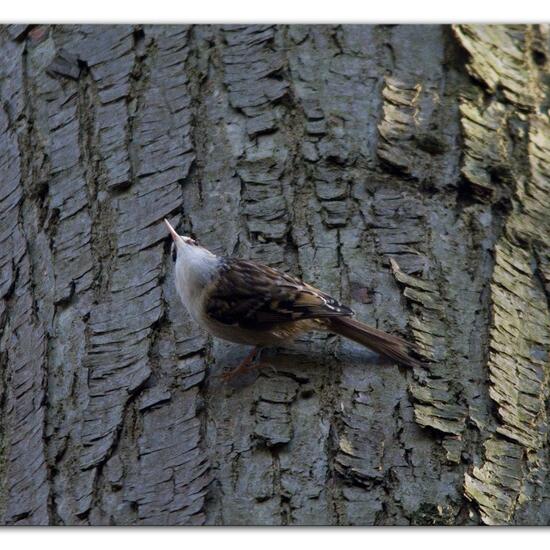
(250, 303)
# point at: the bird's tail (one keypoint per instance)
(383, 343)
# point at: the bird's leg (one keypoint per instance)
(246, 362)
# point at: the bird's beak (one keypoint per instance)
(176, 238)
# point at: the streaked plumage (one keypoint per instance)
(250, 303)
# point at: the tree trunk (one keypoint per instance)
(404, 169)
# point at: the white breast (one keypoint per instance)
(195, 268)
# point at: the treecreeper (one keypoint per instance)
(250, 303)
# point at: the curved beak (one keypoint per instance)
(176, 238)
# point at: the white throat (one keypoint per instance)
(195, 267)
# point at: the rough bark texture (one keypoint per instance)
(405, 169)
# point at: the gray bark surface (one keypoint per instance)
(403, 169)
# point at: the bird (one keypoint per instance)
(247, 302)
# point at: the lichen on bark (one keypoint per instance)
(401, 168)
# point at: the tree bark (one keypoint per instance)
(404, 169)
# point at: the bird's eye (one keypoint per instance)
(191, 241)
(174, 252)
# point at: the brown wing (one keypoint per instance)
(253, 295)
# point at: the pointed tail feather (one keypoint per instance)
(383, 343)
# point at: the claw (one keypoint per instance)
(243, 367)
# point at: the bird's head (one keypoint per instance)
(183, 246)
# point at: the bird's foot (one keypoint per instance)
(245, 366)
(227, 376)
